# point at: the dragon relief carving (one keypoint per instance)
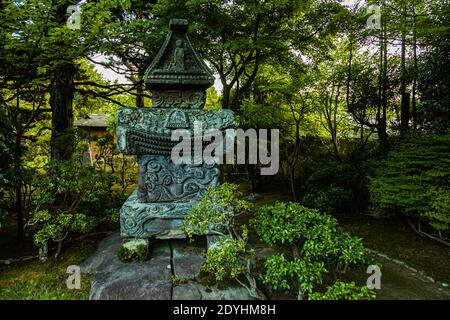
(162, 181)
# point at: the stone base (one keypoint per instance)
(154, 279)
(153, 220)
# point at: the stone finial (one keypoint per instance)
(177, 64)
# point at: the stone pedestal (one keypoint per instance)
(161, 220)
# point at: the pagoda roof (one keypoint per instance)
(173, 67)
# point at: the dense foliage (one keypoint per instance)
(217, 211)
(71, 197)
(228, 257)
(415, 180)
(318, 246)
(344, 291)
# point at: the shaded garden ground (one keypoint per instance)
(392, 237)
(395, 239)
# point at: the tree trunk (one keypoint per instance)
(404, 107)
(140, 95)
(225, 96)
(61, 95)
(335, 124)
(18, 185)
(381, 127)
(414, 85)
(349, 71)
(61, 98)
(294, 160)
(405, 113)
(17, 170)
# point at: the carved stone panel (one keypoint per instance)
(160, 180)
(149, 130)
(185, 99)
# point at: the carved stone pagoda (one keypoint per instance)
(178, 79)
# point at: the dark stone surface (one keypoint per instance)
(152, 279)
(195, 291)
(188, 258)
(105, 258)
(149, 280)
(138, 281)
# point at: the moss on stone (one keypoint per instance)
(133, 250)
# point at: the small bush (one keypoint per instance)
(228, 258)
(282, 273)
(70, 197)
(344, 291)
(414, 180)
(216, 211)
(57, 227)
(318, 246)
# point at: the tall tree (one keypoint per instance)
(238, 37)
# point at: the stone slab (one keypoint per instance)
(152, 279)
(195, 291)
(144, 281)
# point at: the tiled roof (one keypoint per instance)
(93, 120)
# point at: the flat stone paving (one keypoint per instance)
(152, 279)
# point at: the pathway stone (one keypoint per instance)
(195, 291)
(152, 279)
(187, 258)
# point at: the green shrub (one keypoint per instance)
(328, 174)
(414, 180)
(70, 197)
(344, 291)
(216, 211)
(229, 257)
(282, 273)
(56, 227)
(287, 222)
(318, 246)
